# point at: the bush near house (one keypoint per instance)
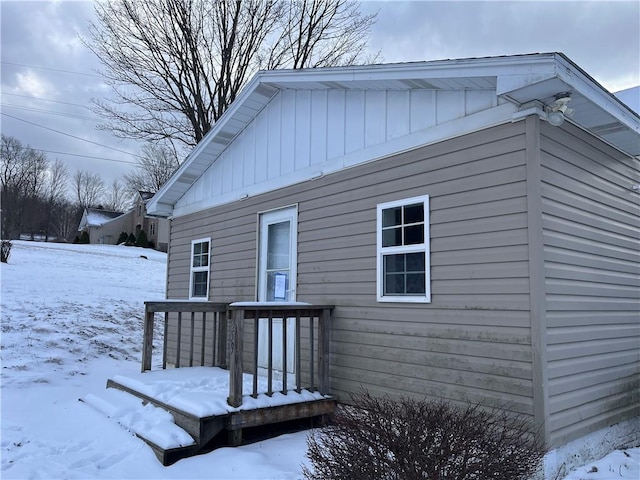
(84, 237)
(412, 439)
(122, 238)
(131, 240)
(142, 240)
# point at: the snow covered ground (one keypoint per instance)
(71, 318)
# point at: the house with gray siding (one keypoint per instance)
(474, 222)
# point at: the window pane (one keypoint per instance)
(415, 262)
(391, 217)
(415, 283)
(394, 284)
(414, 213)
(392, 237)
(394, 263)
(278, 244)
(414, 234)
(199, 285)
(404, 274)
(277, 291)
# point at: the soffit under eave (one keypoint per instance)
(595, 117)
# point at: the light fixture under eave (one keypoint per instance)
(558, 110)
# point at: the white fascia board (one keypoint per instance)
(596, 93)
(187, 168)
(478, 121)
(469, 67)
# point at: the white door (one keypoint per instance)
(277, 262)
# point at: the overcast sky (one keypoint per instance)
(48, 77)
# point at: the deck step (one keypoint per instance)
(202, 430)
(155, 426)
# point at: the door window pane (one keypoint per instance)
(278, 244)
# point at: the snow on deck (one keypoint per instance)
(203, 391)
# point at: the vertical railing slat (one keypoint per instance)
(191, 340)
(179, 346)
(165, 340)
(254, 369)
(270, 353)
(297, 353)
(214, 338)
(222, 339)
(312, 346)
(204, 337)
(285, 360)
(147, 343)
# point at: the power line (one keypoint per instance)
(45, 99)
(69, 135)
(50, 112)
(77, 155)
(52, 69)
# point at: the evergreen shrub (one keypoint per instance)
(122, 238)
(84, 237)
(142, 240)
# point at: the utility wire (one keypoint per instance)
(45, 99)
(69, 135)
(52, 69)
(49, 112)
(77, 155)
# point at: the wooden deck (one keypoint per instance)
(218, 344)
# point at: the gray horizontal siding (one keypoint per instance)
(473, 342)
(592, 249)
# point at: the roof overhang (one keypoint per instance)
(518, 79)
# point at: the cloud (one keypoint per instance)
(30, 84)
(601, 37)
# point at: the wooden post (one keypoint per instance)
(323, 351)
(147, 343)
(236, 367)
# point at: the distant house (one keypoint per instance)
(156, 229)
(474, 222)
(105, 226)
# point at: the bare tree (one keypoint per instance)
(57, 177)
(117, 198)
(22, 179)
(175, 65)
(89, 189)
(154, 167)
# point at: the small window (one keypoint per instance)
(403, 251)
(199, 282)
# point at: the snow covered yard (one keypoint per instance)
(71, 318)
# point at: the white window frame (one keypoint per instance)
(419, 248)
(193, 269)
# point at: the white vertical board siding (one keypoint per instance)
(591, 222)
(308, 129)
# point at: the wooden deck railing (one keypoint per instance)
(311, 339)
(228, 336)
(206, 330)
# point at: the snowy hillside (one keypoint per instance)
(71, 318)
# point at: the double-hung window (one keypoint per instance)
(403, 251)
(199, 281)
